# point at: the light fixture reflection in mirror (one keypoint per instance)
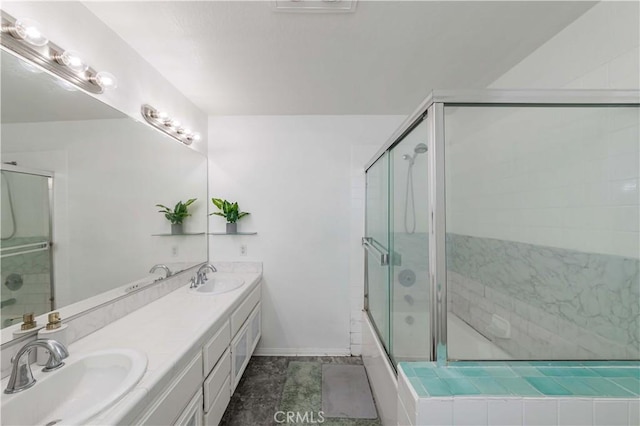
(161, 121)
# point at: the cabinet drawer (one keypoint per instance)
(242, 312)
(171, 402)
(214, 383)
(213, 417)
(216, 347)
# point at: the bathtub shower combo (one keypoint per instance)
(503, 225)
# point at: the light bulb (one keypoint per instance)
(27, 30)
(187, 132)
(187, 141)
(196, 136)
(105, 80)
(180, 130)
(175, 124)
(72, 60)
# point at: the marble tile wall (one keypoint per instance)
(562, 304)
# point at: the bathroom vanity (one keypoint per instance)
(197, 346)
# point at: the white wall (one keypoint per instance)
(72, 26)
(295, 174)
(108, 176)
(562, 178)
(600, 50)
(559, 177)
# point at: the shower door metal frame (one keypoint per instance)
(49, 175)
(432, 108)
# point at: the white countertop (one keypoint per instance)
(170, 331)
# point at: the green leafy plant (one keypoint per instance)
(179, 212)
(229, 211)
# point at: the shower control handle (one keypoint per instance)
(367, 243)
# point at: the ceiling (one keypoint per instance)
(244, 58)
(31, 95)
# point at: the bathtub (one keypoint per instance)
(464, 342)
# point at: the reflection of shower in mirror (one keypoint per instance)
(6, 192)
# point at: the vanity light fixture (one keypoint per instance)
(27, 30)
(25, 38)
(72, 60)
(161, 121)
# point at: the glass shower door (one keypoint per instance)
(409, 242)
(376, 244)
(25, 245)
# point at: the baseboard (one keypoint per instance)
(302, 352)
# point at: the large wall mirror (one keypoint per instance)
(79, 187)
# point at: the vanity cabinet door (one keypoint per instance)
(255, 326)
(193, 415)
(239, 355)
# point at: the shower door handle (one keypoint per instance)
(367, 243)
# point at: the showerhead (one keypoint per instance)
(420, 148)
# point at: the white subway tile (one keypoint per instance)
(624, 192)
(403, 417)
(634, 412)
(625, 218)
(408, 398)
(623, 167)
(626, 244)
(470, 412)
(540, 412)
(575, 412)
(609, 412)
(624, 64)
(505, 412)
(356, 350)
(435, 412)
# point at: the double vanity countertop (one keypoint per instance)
(170, 331)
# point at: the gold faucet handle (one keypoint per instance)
(28, 321)
(54, 321)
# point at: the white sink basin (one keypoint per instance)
(79, 390)
(218, 285)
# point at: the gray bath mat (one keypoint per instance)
(346, 392)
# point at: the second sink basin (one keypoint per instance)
(218, 285)
(80, 390)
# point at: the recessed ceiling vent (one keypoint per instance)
(315, 6)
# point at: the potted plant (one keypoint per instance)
(177, 215)
(229, 211)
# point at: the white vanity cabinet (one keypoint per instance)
(200, 393)
(193, 415)
(167, 408)
(243, 345)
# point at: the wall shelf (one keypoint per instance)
(178, 235)
(237, 233)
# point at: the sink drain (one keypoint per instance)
(53, 422)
